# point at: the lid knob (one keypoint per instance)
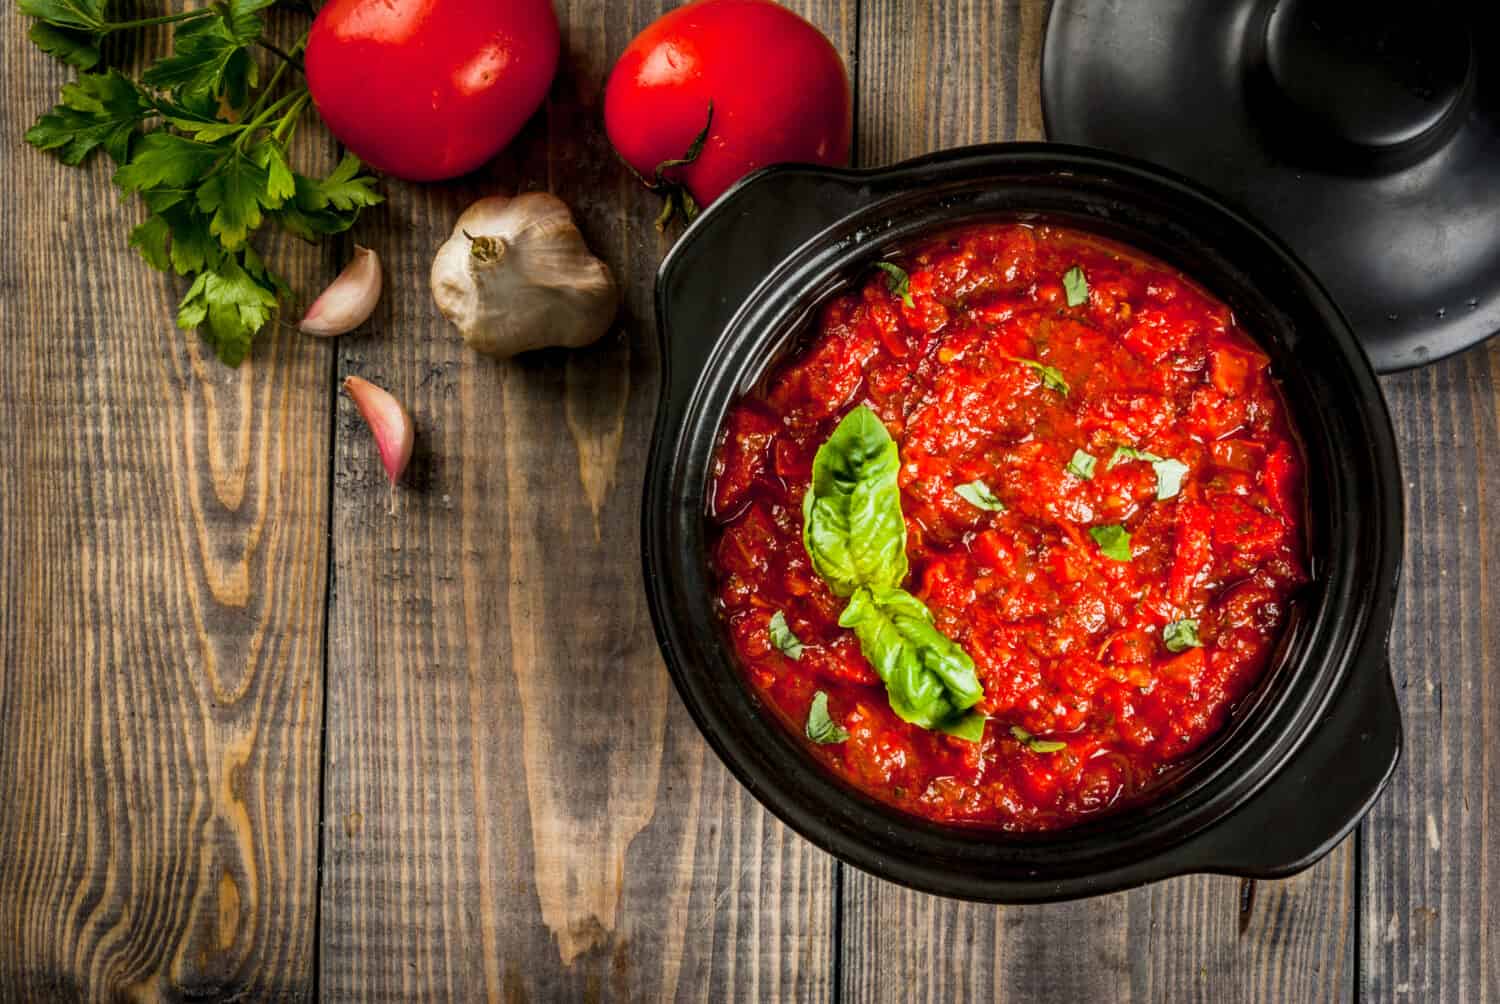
(1365, 80)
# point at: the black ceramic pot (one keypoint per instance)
(1305, 754)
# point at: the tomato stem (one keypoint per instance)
(675, 196)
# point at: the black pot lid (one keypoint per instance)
(1365, 132)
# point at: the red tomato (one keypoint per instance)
(429, 89)
(777, 86)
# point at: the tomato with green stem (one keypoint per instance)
(718, 88)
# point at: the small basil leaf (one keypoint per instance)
(1113, 541)
(1179, 636)
(928, 679)
(1169, 475)
(783, 638)
(978, 494)
(1123, 453)
(1052, 377)
(1076, 285)
(1169, 472)
(1082, 465)
(851, 516)
(897, 281)
(1034, 744)
(821, 728)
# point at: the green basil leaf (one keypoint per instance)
(782, 637)
(929, 680)
(1034, 744)
(1076, 285)
(1169, 475)
(821, 728)
(1123, 453)
(978, 494)
(1113, 541)
(851, 516)
(1082, 465)
(970, 727)
(897, 281)
(1052, 377)
(1179, 636)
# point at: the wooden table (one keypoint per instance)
(263, 738)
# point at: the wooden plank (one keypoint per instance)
(518, 805)
(1430, 888)
(965, 73)
(161, 624)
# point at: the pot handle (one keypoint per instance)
(1317, 798)
(729, 249)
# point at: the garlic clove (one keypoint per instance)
(388, 420)
(349, 300)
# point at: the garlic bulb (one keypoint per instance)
(516, 275)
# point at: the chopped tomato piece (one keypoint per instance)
(1232, 368)
(1192, 550)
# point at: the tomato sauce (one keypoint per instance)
(989, 375)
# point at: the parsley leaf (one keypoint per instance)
(782, 637)
(150, 239)
(343, 190)
(1034, 744)
(897, 281)
(821, 728)
(165, 160)
(1052, 377)
(96, 110)
(79, 15)
(193, 247)
(76, 48)
(1179, 636)
(1113, 541)
(209, 60)
(229, 305)
(234, 195)
(281, 184)
(978, 494)
(203, 144)
(1082, 465)
(1076, 285)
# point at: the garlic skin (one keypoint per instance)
(349, 300)
(388, 420)
(516, 275)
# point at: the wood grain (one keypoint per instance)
(519, 806)
(161, 623)
(1431, 889)
(942, 75)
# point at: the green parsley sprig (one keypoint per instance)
(204, 145)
